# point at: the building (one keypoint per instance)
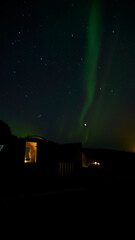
(70, 160)
(52, 159)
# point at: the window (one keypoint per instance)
(30, 152)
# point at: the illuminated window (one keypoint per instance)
(30, 152)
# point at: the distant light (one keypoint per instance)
(85, 124)
(96, 163)
(93, 164)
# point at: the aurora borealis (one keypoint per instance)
(67, 71)
(91, 58)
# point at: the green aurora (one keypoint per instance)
(92, 56)
(89, 72)
(67, 71)
(98, 117)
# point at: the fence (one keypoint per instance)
(66, 169)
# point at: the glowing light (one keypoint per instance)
(30, 152)
(95, 163)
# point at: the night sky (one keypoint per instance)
(67, 71)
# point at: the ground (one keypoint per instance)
(70, 208)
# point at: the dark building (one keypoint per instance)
(32, 162)
(52, 159)
(70, 160)
(40, 157)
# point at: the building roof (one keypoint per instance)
(35, 138)
(38, 139)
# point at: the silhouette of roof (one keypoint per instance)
(38, 139)
(35, 138)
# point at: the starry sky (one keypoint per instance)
(67, 71)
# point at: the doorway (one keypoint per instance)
(30, 152)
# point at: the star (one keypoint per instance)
(26, 95)
(12, 43)
(69, 93)
(113, 93)
(13, 72)
(39, 115)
